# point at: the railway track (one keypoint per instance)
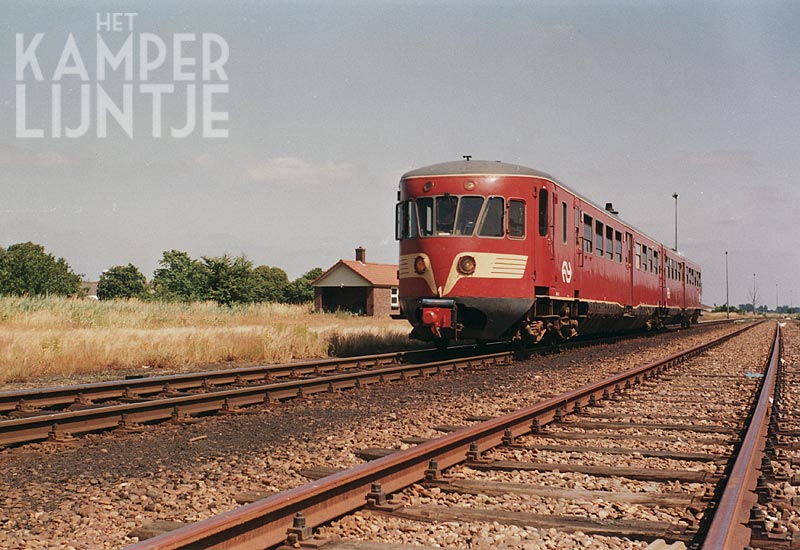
(61, 413)
(165, 405)
(527, 440)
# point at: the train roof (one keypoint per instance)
(499, 168)
(463, 167)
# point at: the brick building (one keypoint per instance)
(358, 287)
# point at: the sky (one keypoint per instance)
(320, 107)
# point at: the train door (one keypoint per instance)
(570, 242)
(578, 242)
(629, 266)
(662, 280)
(682, 300)
(543, 245)
(566, 272)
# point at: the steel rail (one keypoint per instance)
(151, 385)
(264, 524)
(728, 527)
(62, 424)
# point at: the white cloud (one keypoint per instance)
(292, 170)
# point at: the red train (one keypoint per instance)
(490, 251)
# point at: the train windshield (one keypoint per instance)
(449, 215)
(468, 215)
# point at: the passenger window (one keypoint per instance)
(618, 245)
(492, 224)
(610, 242)
(598, 238)
(564, 222)
(516, 218)
(655, 262)
(425, 215)
(587, 234)
(638, 256)
(543, 208)
(468, 213)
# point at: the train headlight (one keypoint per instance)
(466, 265)
(419, 265)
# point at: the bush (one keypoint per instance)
(121, 281)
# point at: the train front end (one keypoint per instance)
(465, 266)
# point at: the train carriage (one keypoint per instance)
(491, 250)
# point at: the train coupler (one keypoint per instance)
(438, 318)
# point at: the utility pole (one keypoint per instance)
(675, 196)
(727, 299)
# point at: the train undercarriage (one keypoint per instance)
(531, 322)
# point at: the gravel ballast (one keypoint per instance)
(93, 492)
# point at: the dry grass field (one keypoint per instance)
(63, 339)
(717, 315)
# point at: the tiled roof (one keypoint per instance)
(376, 274)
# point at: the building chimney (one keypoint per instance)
(361, 254)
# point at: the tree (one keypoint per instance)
(269, 283)
(180, 278)
(313, 274)
(752, 295)
(121, 281)
(229, 279)
(300, 290)
(25, 268)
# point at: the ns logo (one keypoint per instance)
(566, 272)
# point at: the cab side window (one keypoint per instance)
(544, 222)
(516, 218)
